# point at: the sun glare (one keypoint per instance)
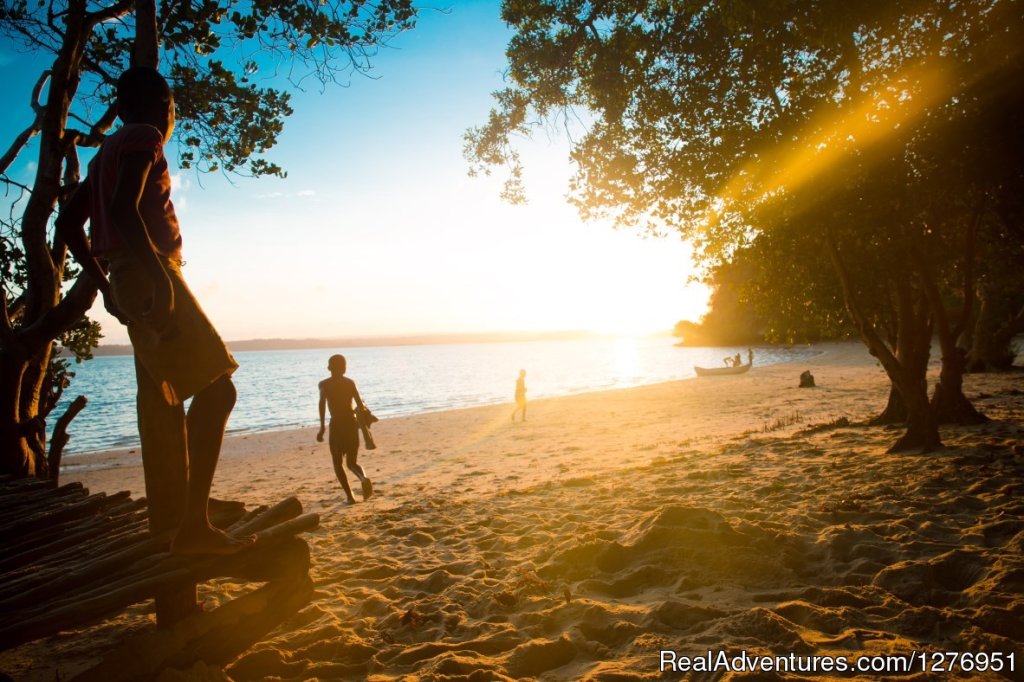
(832, 137)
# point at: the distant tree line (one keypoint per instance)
(850, 165)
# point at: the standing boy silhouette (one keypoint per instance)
(178, 354)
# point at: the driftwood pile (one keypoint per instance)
(72, 559)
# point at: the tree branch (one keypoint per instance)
(60, 436)
(875, 343)
(17, 184)
(97, 132)
(37, 92)
(32, 130)
(107, 78)
(15, 308)
(63, 315)
(6, 328)
(115, 11)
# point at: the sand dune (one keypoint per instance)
(696, 516)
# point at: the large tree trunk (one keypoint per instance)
(922, 429)
(949, 405)
(17, 457)
(990, 349)
(25, 350)
(895, 411)
(913, 347)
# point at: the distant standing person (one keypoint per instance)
(520, 395)
(338, 393)
(750, 357)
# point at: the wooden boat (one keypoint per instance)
(721, 371)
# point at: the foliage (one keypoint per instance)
(705, 115)
(780, 134)
(231, 65)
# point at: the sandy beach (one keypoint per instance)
(723, 514)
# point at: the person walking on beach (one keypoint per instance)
(178, 354)
(520, 395)
(337, 393)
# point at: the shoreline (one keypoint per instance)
(110, 425)
(78, 466)
(682, 516)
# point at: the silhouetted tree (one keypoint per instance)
(212, 53)
(814, 123)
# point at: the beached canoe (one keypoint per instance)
(720, 371)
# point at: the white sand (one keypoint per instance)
(613, 525)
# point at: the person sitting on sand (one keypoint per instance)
(126, 198)
(337, 393)
(520, 395)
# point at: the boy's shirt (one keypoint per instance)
(155, 205)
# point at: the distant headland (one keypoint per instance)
(369, 341)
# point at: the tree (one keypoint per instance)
(809, 122)
(212, 52)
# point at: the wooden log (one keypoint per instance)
(21, 484)
(128, 506)
(50, 575)
(246, 518)
(59, 542)
(29, 540)
(254, 563)
(216, 637)
(130, 536)
(163, 570)
(17, 492)
(29, 625)
(106, 569)
(286, 509)
(137, 558)
(58, 533)
(83, 607)
(86, 543)
(115, 525)
(15, 506)
(39, 522)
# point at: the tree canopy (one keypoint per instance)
(813, 132)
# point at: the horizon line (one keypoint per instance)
(416, 339)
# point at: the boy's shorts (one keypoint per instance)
(189, 355)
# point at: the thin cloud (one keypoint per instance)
(305, 193)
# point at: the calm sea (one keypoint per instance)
(278, 389)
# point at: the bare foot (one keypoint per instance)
(207, 540)
(350, 500)
(367, 488)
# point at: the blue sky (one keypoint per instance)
(377, 229)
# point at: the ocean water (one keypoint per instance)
(278, 389)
